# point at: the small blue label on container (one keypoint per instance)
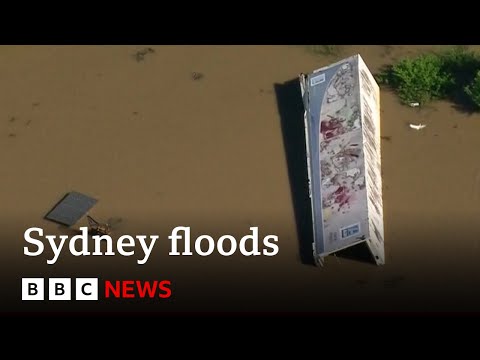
(350, 231)
(317, 79)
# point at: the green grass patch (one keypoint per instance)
(449, 75)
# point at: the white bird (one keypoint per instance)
(417, 127)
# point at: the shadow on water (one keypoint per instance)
(463, 105)
(359, 252)
(290, 108)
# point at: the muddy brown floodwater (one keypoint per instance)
(191, 135)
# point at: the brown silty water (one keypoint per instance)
(160, 148)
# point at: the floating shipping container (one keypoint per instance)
(342, 129)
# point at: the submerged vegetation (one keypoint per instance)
(450, 75)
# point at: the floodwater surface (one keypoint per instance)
(167, 136)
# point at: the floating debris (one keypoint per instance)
(12, 119)
(414, 104)
(140, 55)
(388, 138)
(97, 228)
(71, 208)
(197, 76)
(12, 135)
(417, 127)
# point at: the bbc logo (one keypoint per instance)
(59, 289)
